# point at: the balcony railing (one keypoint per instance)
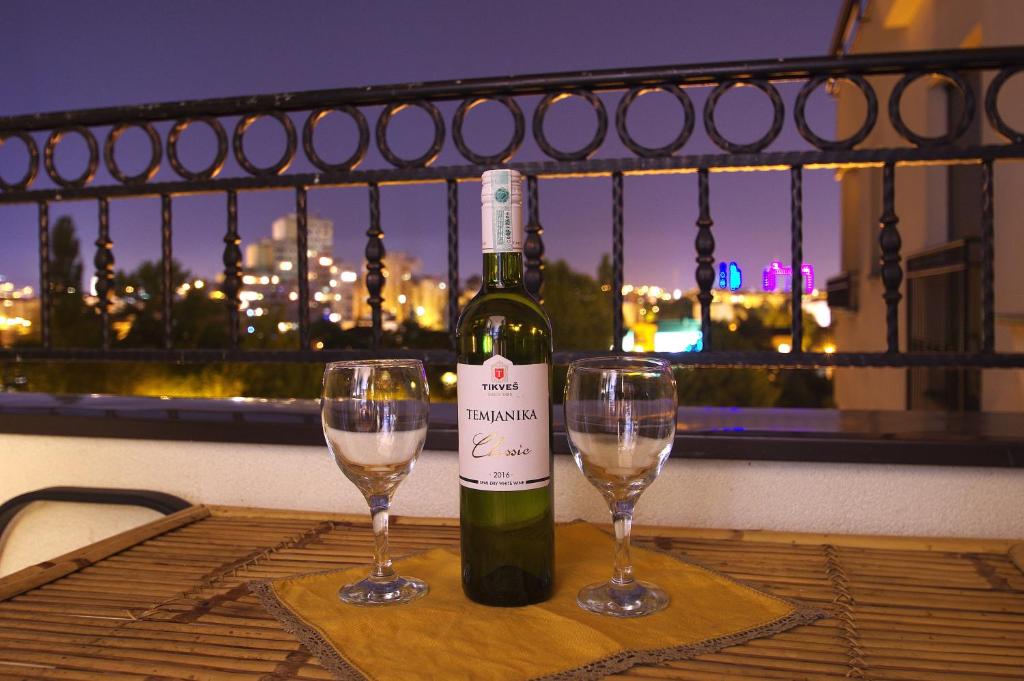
(677, 81)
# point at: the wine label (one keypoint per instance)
(502, 212)
(504, 443)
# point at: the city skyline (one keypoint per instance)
(751, 210)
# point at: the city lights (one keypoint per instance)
(325, 261)
(334, 317)
(784, 347)
(348, 276)
(198, 283)
(829, 348)
(449, 378)
(402, 298)
(285, 266)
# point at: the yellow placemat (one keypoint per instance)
(446, 636)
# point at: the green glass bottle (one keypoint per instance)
(504, 392)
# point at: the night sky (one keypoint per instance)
(69, 55)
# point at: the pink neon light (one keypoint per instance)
(770, 277)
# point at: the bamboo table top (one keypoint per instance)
(168, 600)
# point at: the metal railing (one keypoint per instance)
(810, 73)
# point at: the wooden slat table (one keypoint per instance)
(168, 601)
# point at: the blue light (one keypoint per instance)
(251, 329)
(730, 276)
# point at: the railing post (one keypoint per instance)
(892, 273)
(166, 262)
(796, 191)
(617, 262)
(375, 265)
(232, 285)
(302, 264)
(988, 258)
(705, 245)
(453, 259)
(533, 249)
(45, 293)
(104, 262)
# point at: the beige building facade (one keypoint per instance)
(939, 211)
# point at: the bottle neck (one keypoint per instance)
(503, 271)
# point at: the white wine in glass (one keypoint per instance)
(374, 415)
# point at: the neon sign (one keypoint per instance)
(770, 277)
(730, 276)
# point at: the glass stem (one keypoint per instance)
(382, 570)
(622, 521)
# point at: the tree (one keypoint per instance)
(579, 307)
(72, 322)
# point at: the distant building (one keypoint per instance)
(939, 211)
(279, 252)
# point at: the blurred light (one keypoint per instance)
(251, 329)
(250, 295)
(264, 280)
(319, 296)
(402, 298)
(732, 326)
(449, 378)
(655, 309)
(249, 313)
(335, 317)
(129, 289)
(829, 348)
(319, 345)
(442, 286)
(420, 310)
(217, 295)
(198, 283)
(293, 296)
(406, 277)
(333, 282)
(349, 276)
(784, 347)
(677, 294)
(285, 266)
(186, 286)
(248, 279)
(337, 297)
(334, 269)
(275, 279)
(325, 261)
(628, 288)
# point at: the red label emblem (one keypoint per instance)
(499, 373)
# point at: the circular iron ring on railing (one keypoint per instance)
(580, 154)
(966, 115)
(33, 162)
(215, 166)
(238, 142)
(995, 119)
(505, 154)
(94, 157)
(382, 135)
(847, 143)
(361, 146)
(651, 152)
(778, 116)
(155, 153)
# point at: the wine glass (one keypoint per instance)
(374, 415)
(620, 416)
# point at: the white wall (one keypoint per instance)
(811, 497)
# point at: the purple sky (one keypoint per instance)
(79, 55)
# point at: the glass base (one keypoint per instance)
(635, 600)
(373, 592)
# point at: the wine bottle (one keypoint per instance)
(504, 385)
